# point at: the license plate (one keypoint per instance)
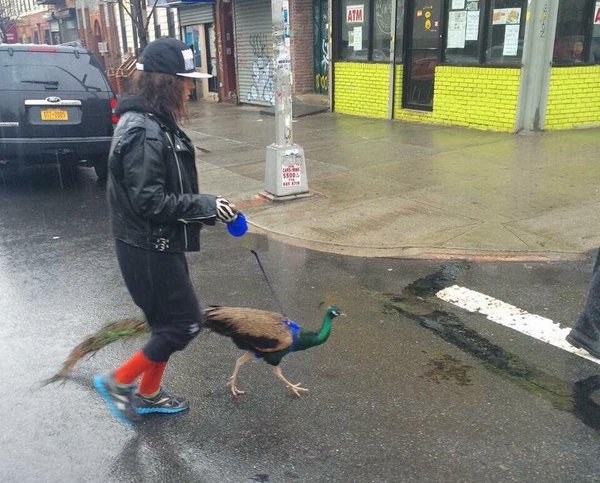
(54, 115)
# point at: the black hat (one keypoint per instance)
(170, 56)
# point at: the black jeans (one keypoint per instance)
(589, 320)
(160, 285)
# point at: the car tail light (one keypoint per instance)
(113, 106)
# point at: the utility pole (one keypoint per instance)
(285, 169)
(537, 62)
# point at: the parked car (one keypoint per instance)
(56, 107)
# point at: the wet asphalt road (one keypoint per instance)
(406, 389)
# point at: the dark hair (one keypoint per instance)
(161, 93)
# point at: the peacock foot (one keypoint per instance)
(233, 388)
(295, 388)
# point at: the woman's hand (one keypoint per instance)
(226, 211)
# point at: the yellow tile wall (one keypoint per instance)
(482, 98)
(573, 99)
(362, 89)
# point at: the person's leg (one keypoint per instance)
(175, 321)
(117, 388)
(586, 333)
(151, 379)
(152, 398)
(159, 284)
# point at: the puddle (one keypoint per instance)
(448, 368)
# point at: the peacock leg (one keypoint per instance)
(295, 388)
(247, 357)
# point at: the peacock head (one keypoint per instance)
(334, 312)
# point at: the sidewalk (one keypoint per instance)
(392, 189)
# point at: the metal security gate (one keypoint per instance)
(196, 15)
(254, 49)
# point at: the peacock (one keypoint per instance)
(265, 335)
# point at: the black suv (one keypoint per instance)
(56, 106)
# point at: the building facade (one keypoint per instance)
(503, 65)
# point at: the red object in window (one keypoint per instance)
(40, 48)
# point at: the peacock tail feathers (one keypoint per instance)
(106, 335)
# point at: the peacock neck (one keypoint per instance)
(307, 340)
(325, 331)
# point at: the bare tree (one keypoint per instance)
(9, 15)
(140, 18)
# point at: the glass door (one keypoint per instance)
(423, 53)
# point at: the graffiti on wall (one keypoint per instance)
(322, 80)
(320, 46)
(262, 88)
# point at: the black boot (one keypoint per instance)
(585, 336)
(586, 333)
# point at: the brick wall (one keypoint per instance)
(475, 97)
(27, 26)
(301, 16)
(573, 99)
(361, 89)
(482, 98)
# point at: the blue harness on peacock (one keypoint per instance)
(294, 329)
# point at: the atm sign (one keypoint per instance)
(355, 13)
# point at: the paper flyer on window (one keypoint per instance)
(506, 16)
(511, 40)
(457, 26)
(358, 38)
(472, 25)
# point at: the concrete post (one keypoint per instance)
(392, 78)
(538, 49)
(285, 169)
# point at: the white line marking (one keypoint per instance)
(508, 315)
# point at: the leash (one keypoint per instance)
(273, 294)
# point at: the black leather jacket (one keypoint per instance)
(153, 184)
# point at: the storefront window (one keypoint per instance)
(463, 37)
(506, 32)
(191, 35)
(474, 31)
(398, 48)
(366, 29)
(595, 47)
(354, 38)
(573, 44)
(382, 29)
